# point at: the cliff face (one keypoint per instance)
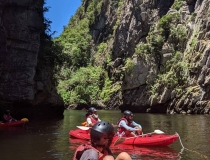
(168, 45)
(26, 85)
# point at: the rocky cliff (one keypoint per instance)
(162, 50)
(26, 85)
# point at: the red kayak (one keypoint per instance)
(14, 123)
(152, 140)
(134, 150)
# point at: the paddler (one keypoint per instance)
(92, 117)
(7, 117)
(127, 127)
(101, 136)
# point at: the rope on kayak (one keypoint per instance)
(180, 140)
(202, 155)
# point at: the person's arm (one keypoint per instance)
(14, 119)
(89, 122)
(136, 124)
(124, 125)
(89, 154)
(6, 118)
(11, 119)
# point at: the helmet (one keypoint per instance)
(91, 110)
(100, 129)
(7, 111)
(127, 113)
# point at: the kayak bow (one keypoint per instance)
(14, 123)
(146, 140)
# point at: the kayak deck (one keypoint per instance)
(80, 134)
(152, 140)
(12, 124)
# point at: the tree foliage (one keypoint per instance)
(50, 52)
(83, 86)
(76, 42)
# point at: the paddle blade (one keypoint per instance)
(157, 131)
(83, 127)
(84, 123)
(24, 119)
(119, 141)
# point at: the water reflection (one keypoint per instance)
(136, 152)
(49, 139)
(187, 126)
(74, 143)
(139, 152)
(7, 133)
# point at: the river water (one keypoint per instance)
(49, 139)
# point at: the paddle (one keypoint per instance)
(86, 128)
(84, 123)
(83, 128)
(122, 139)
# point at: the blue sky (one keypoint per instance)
(60, 12)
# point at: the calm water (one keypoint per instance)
(50, 139)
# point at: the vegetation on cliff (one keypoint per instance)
(72, 57)
(113, 49)
(82, 77)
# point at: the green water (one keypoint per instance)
(50, 139)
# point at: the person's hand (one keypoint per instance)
(114, 125)
(139, 131)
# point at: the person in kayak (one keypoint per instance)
(92, 117)
(101, 136)
(7, 117)
(127, 127)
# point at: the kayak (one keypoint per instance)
(14, 123)
(80, 134)
(151, 140)
(150, 152)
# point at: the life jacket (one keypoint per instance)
(122, 129)
(93, 120)
(80, 150)
(7, 117)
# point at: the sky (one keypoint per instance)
(60, 12)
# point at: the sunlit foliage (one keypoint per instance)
(83, 86)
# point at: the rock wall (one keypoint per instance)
(193, 95)
(26, 85)
(130, 23)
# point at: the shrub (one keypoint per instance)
(129, 64)
(83, 86)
